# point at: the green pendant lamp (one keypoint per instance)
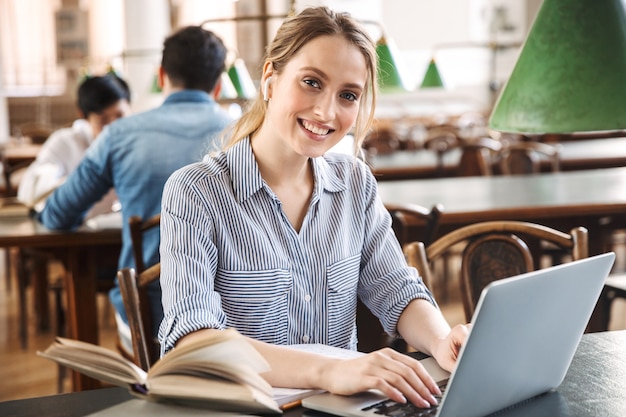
(571, 73)
(240, 77)
(155, 88)
(432, 78)
(228, 90)
(84, 73)
(390, 77)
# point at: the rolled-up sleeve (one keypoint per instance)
(387, 283)
(188, 263)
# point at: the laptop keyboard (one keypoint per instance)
(392, 408)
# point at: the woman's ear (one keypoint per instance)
(266, 86)
(268, 70)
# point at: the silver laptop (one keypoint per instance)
(525, 332)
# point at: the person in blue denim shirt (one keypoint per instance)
(137, 154)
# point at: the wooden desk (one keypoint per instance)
(17, 154)
(594, 386)
(595, 199)
(15, 157)
(78, 251)
(575, 155)
(591, 198)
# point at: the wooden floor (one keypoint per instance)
(23, 374)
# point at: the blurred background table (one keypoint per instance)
(422, 163)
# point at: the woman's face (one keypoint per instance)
(314, 100)
(115, 111)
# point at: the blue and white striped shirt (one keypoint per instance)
(230, 257)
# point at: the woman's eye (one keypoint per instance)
(312, 83)
(349, 96)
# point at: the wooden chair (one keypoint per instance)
(134, 289)
(441, 141)
(477, 157)
(493, 250)
(370, 332)
(477, 153)
(36, 132)
(405, 217)
(614, 288)
(524, 157)
(137, 228)
(11, 175)
(382, 140)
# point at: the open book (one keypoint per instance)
(219, 371)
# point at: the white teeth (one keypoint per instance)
(314, 129)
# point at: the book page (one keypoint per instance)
(326, 350)
(224, 351)
(213, 393)
(95, 361)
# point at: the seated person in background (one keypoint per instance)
(137, 154)
(100, 101)
(277, 238)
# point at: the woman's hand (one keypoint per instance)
(447, 350)
(396, 375)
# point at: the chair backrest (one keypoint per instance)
(137, 228)
(381, 140)
(36, 132)
(133, 287)
(493, 250)
(477, 157)
(477, 153)
(441, 140)
(405, 217)
(524, 157)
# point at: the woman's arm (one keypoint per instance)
(398, 376)
(423, 326)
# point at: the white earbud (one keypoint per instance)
(265, 86)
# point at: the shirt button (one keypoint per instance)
(305, 338)
(307, 298)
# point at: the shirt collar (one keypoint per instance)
(246, 177)
(188, 96)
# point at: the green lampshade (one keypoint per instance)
(155, 88)
(228, 90)
(432, 78)
(84, 73)
(571, 73)
(112, 71)
(240, 77)
(390, 77)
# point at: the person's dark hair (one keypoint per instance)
(194, 58)
(97, 93)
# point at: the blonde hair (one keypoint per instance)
(295, 32)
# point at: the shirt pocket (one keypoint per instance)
(255, 302)
(343, 279)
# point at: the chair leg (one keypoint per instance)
(56, 286)
(8, 272)
(22, 283)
